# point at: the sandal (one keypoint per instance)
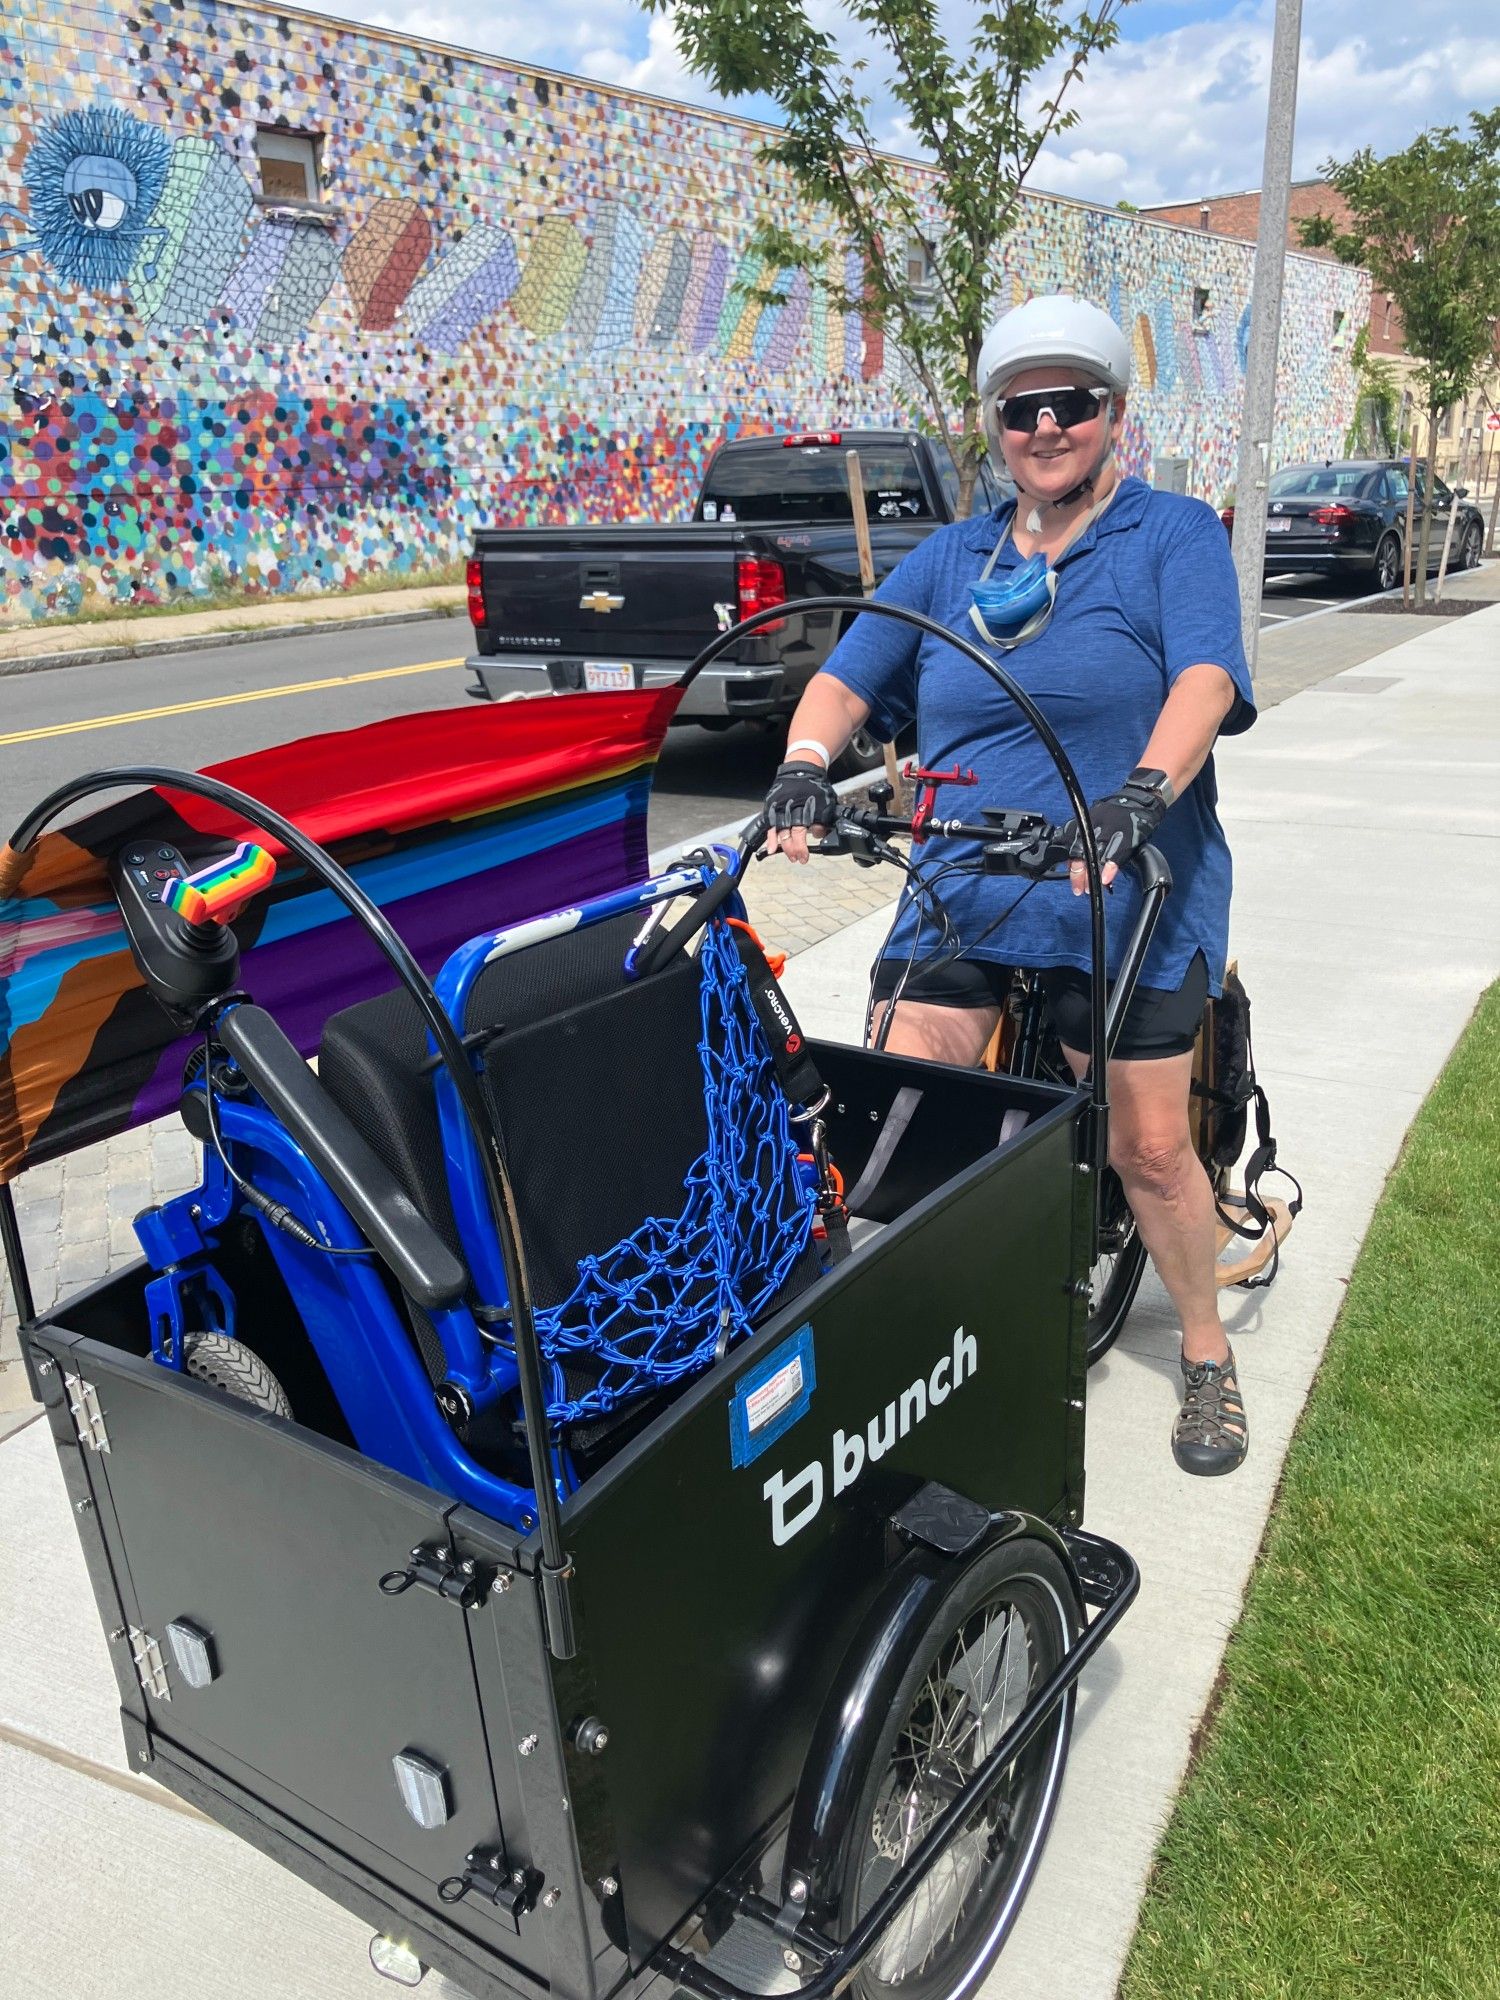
(1211, 1434)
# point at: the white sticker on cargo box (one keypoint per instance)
(772, 1397)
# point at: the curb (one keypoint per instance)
(88, 656)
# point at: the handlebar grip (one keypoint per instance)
(667, 943)
(217, 893)
(1150, 865)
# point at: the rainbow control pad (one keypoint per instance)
(217, 894)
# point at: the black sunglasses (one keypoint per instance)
(1066, 407)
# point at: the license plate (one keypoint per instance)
(607, 676)
(1278, 527)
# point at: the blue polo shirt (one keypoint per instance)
(1147, 592)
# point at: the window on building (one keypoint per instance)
(1202, 315)
(289, 164)
(1339, 321)
(920, 274)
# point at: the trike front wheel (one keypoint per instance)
(995, 1639)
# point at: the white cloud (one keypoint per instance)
(1167, 115)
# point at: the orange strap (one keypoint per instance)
(775, 959)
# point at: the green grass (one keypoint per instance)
(1339, 1836)
(232, 599)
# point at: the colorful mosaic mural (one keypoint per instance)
(522, 298)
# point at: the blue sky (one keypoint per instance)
(1175, 111)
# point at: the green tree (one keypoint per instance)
(1377, 403)
(981, 111)
(1426, 224)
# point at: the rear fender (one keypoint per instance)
(936, 1539)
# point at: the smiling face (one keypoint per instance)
(1049, 462)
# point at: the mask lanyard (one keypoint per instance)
(1079, 528)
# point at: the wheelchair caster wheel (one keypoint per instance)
(235, 1370)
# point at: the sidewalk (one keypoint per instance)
(31, 648)
(1364, 811)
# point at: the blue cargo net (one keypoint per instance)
(659, 1305)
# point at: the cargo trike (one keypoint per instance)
(592, 1478)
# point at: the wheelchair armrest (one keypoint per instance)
(424, 1267)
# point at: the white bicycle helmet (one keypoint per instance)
(1059, 332)
(1054, 331)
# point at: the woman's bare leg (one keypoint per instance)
(957, 1035)
(1151, 1149)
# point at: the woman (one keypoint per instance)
(1132, 649)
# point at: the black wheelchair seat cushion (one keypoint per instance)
(596, 1085)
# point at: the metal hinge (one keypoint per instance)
(88, 1418)
(150, 1667)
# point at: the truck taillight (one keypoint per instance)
(813, 437)
(1226, 515)
(473, 577)
(761, 582)
(1333, 517)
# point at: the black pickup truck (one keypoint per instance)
(567, 609)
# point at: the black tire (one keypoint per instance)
(230, 1367)
(1117, 1273)
(1385, 572)
(1469, 548)
(960, 1917)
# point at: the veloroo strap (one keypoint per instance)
(796, 1071)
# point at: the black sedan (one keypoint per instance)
(1347, 517)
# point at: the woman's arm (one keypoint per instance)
(827, 715)
(1201, 697)
(1179, 744)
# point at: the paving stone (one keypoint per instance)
(82, 1263)
(127, 1199)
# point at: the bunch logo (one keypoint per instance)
(795, 1499)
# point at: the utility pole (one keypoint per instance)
(1258, 418)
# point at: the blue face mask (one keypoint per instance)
(1008, 610)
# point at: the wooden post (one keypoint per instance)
(1489, 543)
(867, 581)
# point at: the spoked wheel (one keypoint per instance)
(1470, 547)
(1116, 1276)
(994, 1640)
(1388, 564)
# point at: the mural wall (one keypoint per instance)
(523, 299)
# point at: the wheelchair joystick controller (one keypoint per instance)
(178, 923)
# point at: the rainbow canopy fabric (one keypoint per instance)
(454, 821)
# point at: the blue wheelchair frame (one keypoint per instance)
(366, 1351)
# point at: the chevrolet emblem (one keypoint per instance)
(601, 600)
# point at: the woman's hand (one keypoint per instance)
(801, 802)
(1123, 823)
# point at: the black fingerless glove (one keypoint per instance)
(801, 795)
(1125, 821)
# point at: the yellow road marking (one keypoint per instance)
(220, 701)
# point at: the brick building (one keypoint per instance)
(1239, 215)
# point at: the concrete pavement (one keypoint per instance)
(1364, 812)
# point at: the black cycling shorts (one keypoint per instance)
(1158, 1021)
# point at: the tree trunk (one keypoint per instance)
(968, 479)
(1424, 549)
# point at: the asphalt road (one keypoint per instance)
(192, 709)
